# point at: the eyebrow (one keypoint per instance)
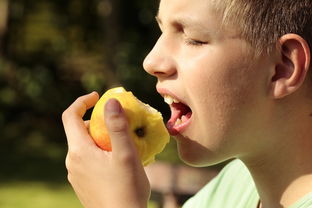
(187, 23)
(157, 18)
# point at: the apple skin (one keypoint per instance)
(146, 125)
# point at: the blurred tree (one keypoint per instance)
(55, 51)
(4, 9)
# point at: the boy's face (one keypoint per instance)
(210, 71)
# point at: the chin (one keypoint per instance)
(196, 155)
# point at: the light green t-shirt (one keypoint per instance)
(234, 188)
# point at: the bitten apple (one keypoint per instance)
(146, 124)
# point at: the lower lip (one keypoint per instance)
(178, 129)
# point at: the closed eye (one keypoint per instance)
(194, 42)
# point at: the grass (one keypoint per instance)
(37, 178)
(40, 195)
(37, 195)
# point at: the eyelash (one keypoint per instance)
(193, 42)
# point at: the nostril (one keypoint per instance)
(159, 66)
(159, 74)
(159, 63)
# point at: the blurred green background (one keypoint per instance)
(51, 52)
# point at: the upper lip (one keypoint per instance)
(164, 91)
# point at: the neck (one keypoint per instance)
(283, 174)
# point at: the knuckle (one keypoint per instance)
(69, 178)
(72, 108)
(65, 115)
(67, 163)
(117, 124)
(73, 156)
(80, 100)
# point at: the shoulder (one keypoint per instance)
(233, 185)
(304, 202)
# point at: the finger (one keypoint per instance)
(87, 124)
(83, 103)
(74, 126)
(117, 126)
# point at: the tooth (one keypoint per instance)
(183, 118)
(178, 122)
(168, 99)
(175, 101)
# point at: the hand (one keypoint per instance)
(103, 179)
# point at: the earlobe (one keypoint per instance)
(292, 66)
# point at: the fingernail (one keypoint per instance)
(113, 107)
(93, 92)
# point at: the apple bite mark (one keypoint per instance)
(146, 126)
(180, 116)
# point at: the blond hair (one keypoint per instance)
(263, 22)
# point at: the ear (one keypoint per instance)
(292, 67)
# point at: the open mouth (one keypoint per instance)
(180, 115)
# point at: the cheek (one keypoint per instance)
(219, 85)
(221, 91)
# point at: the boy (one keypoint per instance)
(242, 68)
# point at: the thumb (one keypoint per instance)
(118, 128)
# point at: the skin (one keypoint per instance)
(213, 79)
(238, 103)
(103, 179)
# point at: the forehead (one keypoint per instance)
(197, 13)
(190, 8)
(204, 14)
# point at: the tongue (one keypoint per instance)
(183, 109)
(178, 111)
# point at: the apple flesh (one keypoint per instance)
(147, 128)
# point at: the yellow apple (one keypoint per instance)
(146, 124)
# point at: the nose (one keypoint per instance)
(160, 62)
